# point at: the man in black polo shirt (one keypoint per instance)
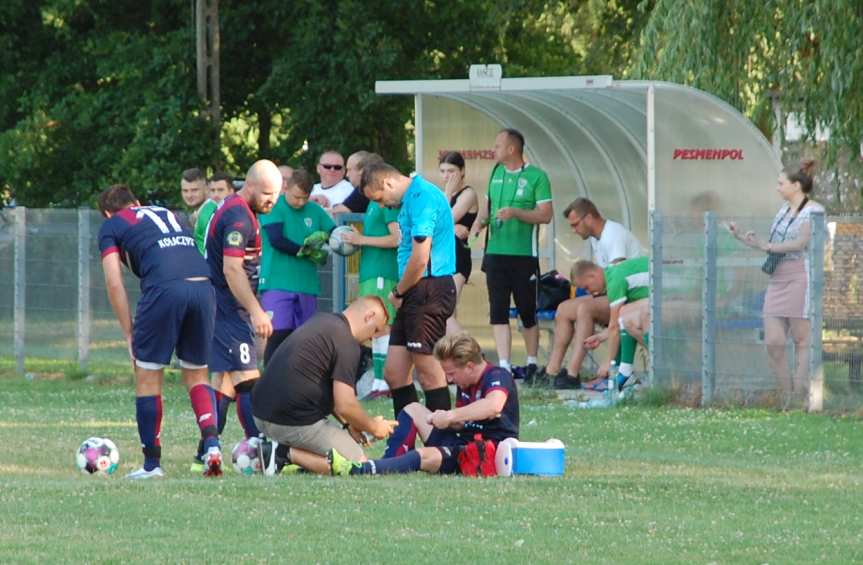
(311, 376)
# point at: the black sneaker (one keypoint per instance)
(270, 461)
(535, 377)
(562, 381)
(530, 373)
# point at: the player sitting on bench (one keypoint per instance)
(626, 285)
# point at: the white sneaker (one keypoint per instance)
(267, 456)
(141, 473)
(213, 462)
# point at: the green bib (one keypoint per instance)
(522, 189)
(377, 261)
(280, 271)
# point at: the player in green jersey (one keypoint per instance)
(519, 201)
(289, 283)
(626, 286)
(220, 186)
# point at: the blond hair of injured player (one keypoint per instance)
(486, 404)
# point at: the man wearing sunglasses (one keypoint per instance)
(333, 188)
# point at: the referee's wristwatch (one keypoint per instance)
(397, 294)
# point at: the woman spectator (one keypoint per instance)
(464, 204)
(785, 304)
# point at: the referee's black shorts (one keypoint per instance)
(421, 320)
(516, 276)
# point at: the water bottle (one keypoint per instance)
(611, 388)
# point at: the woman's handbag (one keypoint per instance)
(771, 262)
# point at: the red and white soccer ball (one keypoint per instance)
(97, 456)
(245, 458)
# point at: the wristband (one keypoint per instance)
(397, 294)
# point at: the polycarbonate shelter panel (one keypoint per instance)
(593, 142)
(709, 156)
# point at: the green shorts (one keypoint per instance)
(382, 287)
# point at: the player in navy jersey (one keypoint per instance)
(233, 253)
(175, 312)
(486, 404)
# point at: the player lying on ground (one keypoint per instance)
(312, 376)
(626, 285)
(175, 312)
(486, 404)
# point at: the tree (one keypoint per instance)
(808, 53)
(320, 60)
(110, 98)
(103, 91)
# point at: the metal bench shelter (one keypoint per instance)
(630, 146)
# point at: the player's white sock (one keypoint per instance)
(531, 360)
(625, 369)
(504, 364)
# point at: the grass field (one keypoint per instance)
(643, 484)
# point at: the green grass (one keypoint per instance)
(643, 484)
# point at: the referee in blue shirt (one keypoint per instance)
(425, 295)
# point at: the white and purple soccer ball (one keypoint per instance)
(244, 456)
(98, 456)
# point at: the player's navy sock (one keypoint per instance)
(438, 399)
(244, 408)
(148, 413)
(224, 402)
(407, 463)
(403, 396)
(203, 399)
(404, 436)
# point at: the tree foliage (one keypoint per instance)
(103, 91)
(110, 98)
(808, 53)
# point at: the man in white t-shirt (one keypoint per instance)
(610, 243)
(333, 188)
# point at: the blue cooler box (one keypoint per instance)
(530, 458)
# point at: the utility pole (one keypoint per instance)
(207, 49)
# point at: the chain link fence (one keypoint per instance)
(708, 337)
(53, 304)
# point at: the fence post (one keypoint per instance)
(654, 351)
(815, 297)
(84, 318)
(708, 311)
(20, 286)
(339, 269)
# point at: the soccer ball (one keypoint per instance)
(338, 246)
(97, 456)
(244, 456)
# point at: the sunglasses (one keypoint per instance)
(332, 167)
